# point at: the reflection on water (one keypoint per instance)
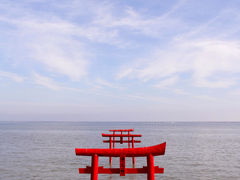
(45, 150)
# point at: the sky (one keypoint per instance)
(134, 60)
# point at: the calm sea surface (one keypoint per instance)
(45, 150)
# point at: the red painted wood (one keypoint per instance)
(124, 141)
(110, 147)
(119, 130)
(127, 152)
(94, 173)
(122, 153)
(114, 140)
(120, 135)
(122, 166)
(102, 170)
(129, 139)
(150, 166)
(133, 159)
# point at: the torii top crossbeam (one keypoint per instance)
(156, 150)
(121, 130)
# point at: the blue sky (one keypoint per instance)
(169, 60)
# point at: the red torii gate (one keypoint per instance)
(115, 134)
(148, 152)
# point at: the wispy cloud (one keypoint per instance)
(59, 44)
(103, 83)
(13, 76)
(206, 62)
(46, 82)
(51, 44)
(166, 82)
(136, 22)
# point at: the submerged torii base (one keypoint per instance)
(148, 152)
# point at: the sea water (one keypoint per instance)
(46, 150)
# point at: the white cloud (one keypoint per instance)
(125, 71)
(205, 62)
(166, 82)
(46, 82)
(103, 83)
(136, 22)
(15, 77)
(51, 44)
(64, 57)
(57, 43)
